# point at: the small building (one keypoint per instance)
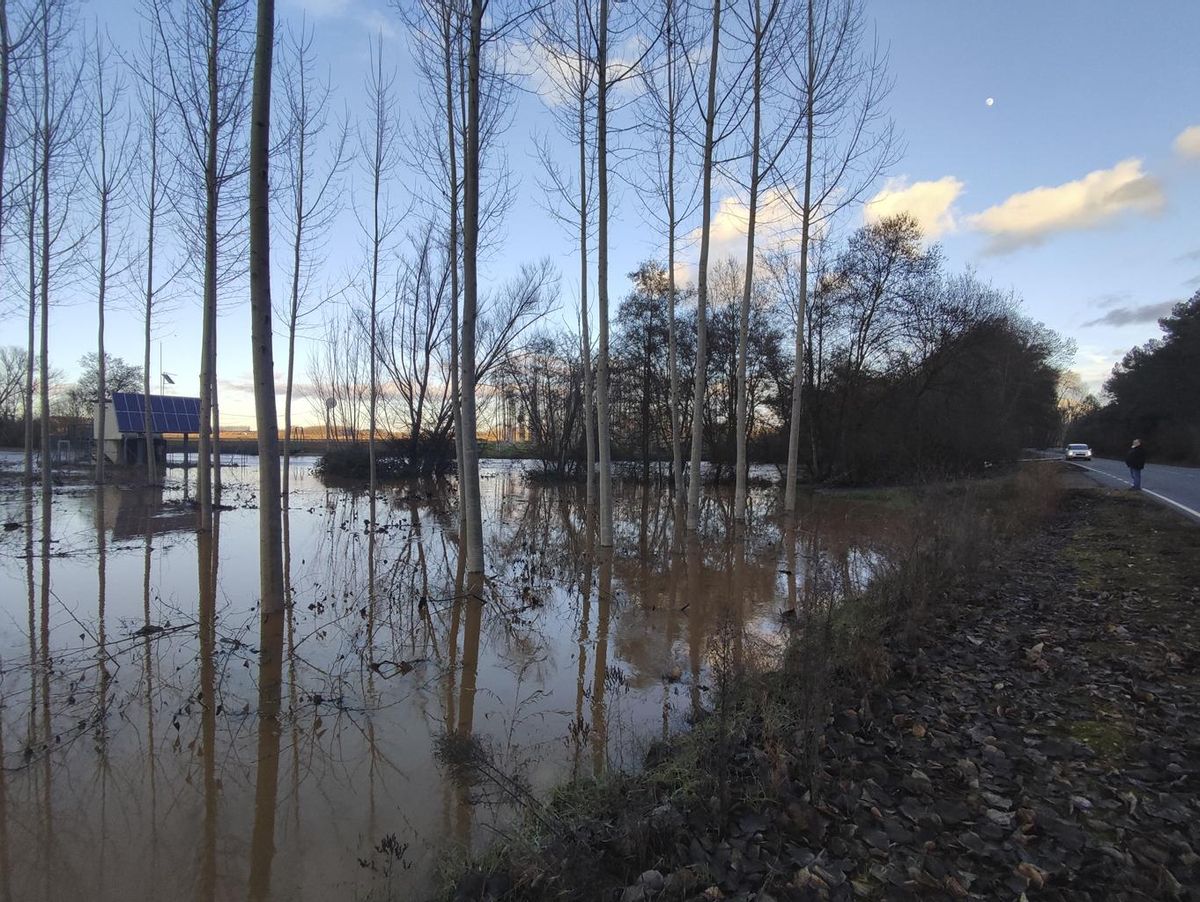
(124, 440)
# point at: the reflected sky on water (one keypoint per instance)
(157, 742)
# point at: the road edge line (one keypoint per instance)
(1195, 514)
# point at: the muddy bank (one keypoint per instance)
(1035, 732)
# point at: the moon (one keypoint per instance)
(990, 101)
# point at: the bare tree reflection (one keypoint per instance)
(207, 549)
(148, 673)
(266, 781)
(102, 667)
(600, 673)
(382, 632)
(48, 841)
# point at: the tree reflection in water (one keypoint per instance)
(149, 745)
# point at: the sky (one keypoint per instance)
(1076, 186)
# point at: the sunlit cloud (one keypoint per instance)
(775, 223)
(1029, 218)
(1094, 366)
(930, 203)
(1187, 143)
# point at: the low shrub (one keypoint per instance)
(394, 459)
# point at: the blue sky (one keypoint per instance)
(1077, 188)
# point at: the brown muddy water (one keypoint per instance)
(136, 764)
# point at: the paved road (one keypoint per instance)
(1177, 486)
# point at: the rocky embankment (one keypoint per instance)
(1042, 741)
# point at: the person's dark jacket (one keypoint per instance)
(1136, 458)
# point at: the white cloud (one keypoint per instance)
(554, 75)
(1187, 143)
(551, 75)
(930, 203)
(376, 19)
(774, 223)
(1030, 217)
(321, 8)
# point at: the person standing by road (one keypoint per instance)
(1136, 461)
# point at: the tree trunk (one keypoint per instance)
(645, 411)
(204, 461)
(469, 479)
(376, 240)
(793, 461)
(672, 340)
(294, 302)
(151, 213)
(741, 465)
(603, 413)
(585, 316)
(31, 353)
(452, 159)
(270, 526)
(44, 363)
(5, 68)
(101, 388)
(698, 385)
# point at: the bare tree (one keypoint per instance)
(476, 128)
(312, 195)
(710, 121)
(110, 173)
(379, 151)
(511, 311)
(270, 534)
(12, 376)
(338, 370)
(29, 209)
(208, 68)
(666, 118)
(437, 149)
(155, 188)
(847, 144)
(547, 384)
(10, 46)
(437, 27)
(563, 34)
(6, 63)
(606, 79)
(59, 126)
(769, 32)
(469, 477)
(416, 332)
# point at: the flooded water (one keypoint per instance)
(155, 745)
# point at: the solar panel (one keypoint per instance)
(169, 413)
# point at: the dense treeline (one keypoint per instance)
(1154, 395)
(908, 370)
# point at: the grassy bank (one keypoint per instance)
(763, 741)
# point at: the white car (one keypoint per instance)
(1078, 452)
